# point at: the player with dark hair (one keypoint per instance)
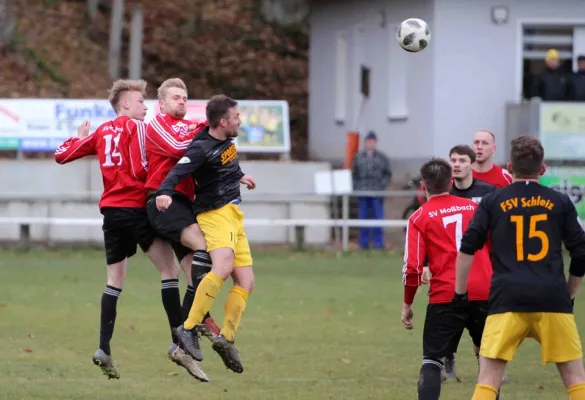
(530, 295)
(212, 160)
(464, 185)
(435, 231)
(119, 146)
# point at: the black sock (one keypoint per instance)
(108, 316)
(200, 266)
(451, 357)
(171, 299)
(187, 302)
(429, 382)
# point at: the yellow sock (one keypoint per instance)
(485, 392)
(204, 296)
(234, 308)
(577, 391)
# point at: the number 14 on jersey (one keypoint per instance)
(111, 151)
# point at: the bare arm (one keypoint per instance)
(462, 268)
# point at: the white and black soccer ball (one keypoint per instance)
(413, 35)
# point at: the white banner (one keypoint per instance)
(42, 124)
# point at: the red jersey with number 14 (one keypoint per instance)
(435, 231)
(119, 146)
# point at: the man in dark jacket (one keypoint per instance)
(551, 84)
(371, 172)
(577, 84)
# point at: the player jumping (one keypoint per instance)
(212, 160)
(168, 135)
(434, 231)
(119, 145)
(530, 295)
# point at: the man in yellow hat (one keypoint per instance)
(551, 84)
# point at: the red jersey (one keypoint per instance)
(167, 140)
(435, 231)
(119, 146)
(497, 176)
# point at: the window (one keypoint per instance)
(536, 41)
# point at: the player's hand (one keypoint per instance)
(407, 315)
(163, 202)
(426, 276)
(83, 130)
(249, 181)
(460, 302)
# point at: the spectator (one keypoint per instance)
(577, 83)
(371, 172)
(551, 84)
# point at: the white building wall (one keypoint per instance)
(458, 85)
(368, 42)
(477, 64)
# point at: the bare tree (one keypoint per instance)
(7, 22)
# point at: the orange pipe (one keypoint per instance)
(351, 149)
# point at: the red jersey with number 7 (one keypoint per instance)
(435, 231)
(120, 148)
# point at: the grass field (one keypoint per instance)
(316, 327)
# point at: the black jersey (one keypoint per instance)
(215, 166)
(528, 223)
(475, 192)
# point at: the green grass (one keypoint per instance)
(317, 327)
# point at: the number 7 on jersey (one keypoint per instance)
(456, 219)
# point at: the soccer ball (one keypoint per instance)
(413, 35)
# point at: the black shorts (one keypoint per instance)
(125, 228)
(443, 327)
(170, 223)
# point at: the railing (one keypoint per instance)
(341, 220)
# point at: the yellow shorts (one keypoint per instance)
(224, 227)
(556, 332)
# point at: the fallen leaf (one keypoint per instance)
(173, 374)
(345, 360)
(30, 335)
(27, 350)
(132, 327)
(541, 387)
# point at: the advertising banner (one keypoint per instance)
(568, 180)
(562, 130)
(43, 124)
(265, 124)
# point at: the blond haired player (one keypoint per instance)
(168, 136)
(119, 146)
(484, 169)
